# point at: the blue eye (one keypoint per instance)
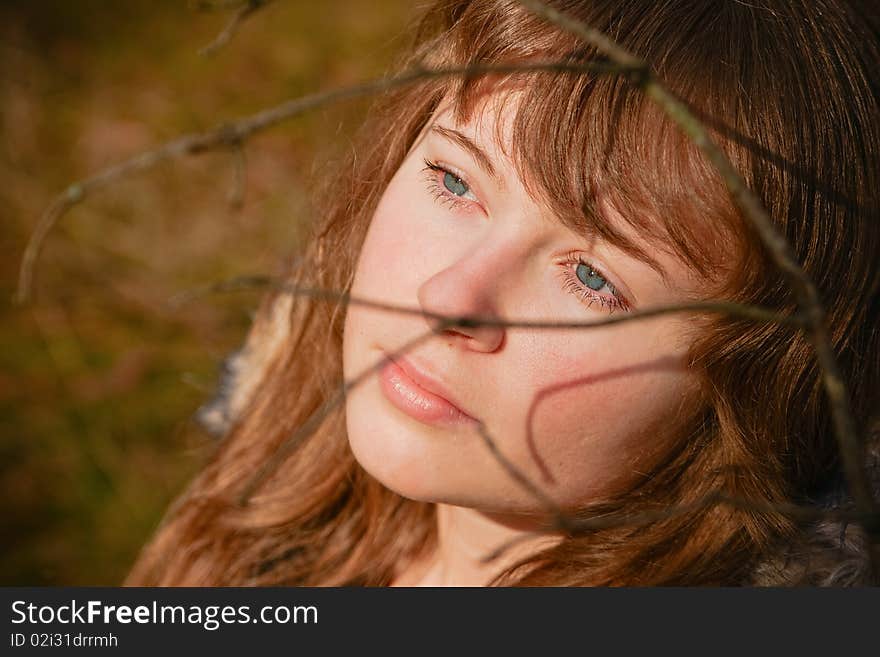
(590, 277)
(455, 185)
(586, 283)
(453, 191)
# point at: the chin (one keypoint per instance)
(402, 476)
(398, 458)
(410, 461)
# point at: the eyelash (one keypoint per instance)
(571, 282)
(574, 285)
(440, 194)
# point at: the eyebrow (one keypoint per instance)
(641, 255)
(468, 144)
(619, 241)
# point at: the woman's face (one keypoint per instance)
(575, 410)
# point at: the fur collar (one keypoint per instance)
(828, 552)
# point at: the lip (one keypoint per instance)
(413, 391)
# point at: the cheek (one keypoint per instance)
(395, 245)
(379, 258)
(602, 416)
(383, 273)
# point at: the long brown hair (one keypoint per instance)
(785, 87)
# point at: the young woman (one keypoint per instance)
(569, 197)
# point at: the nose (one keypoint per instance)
(465, 289)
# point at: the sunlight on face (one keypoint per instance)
(575, 410)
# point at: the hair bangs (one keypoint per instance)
(582, 141)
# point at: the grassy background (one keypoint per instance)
(99, 378)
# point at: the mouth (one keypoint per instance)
(420, 396)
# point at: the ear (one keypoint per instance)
(242, 370)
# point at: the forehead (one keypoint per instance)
(487, 118)
(486, 130)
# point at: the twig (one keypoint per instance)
(287, 446)
(230, 135)
(309, 426)
(248, 8)
(444, 321)
(778, 247)
(752, 313)
(230, 285)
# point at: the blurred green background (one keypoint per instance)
(99, 376)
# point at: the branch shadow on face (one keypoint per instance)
(663, 363)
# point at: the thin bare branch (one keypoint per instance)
(235, 133)
(247, 282)
(287, 447)
(247, 9)
(752, 313)
(443, 321)
(750, 205)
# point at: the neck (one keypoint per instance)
(465, 537)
